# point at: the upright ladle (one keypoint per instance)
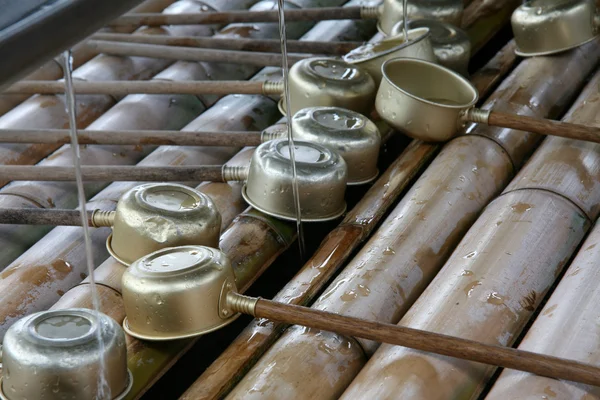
(188, 291)
(429, 102)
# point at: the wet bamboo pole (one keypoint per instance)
(81, 54)
(335, 250)
(133, 112)
(501, 271)
(402, 257)
(241, 44)
(130, 137)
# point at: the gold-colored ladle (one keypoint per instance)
(430, 102)
(159, 308)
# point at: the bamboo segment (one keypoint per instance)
(123, 88)
(413, 243)
(137, 138)
(180, 53)
(335, 250)
(502, 269)
(306, 14)
(264, 45)
(110, 173)
(566, 327)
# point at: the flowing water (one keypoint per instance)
(405, 19)
(291, 147)
(67, 59)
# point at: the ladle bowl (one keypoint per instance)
(392, 11)
(322, 175)
(329, 82)
(352, 135)
(154, 216)
(543, 27)
(174, 293)
(422, 99)
(54, 355)
(371, 56)
(451, 45)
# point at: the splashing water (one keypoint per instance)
(405, 19)
(291, 147)
(67, 65)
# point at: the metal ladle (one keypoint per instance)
(159, 308)
(429, 102)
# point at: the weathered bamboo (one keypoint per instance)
(334, 251)
(399, 261)
(264, 45)
(125, 137)
(80, 53)
(181, 53)
(480, 15)
(307, 14)
(567, 326)
(123, 88)
(501, 271)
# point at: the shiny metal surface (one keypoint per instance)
(175, 293)
(544, 27)
(441, 10)
(422, 99)
(154, 216)
(54, 355)
(328, 82)
(322, 177)
(451, 45)
(371, 56)
(352, 135)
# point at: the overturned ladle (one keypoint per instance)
(159, 307)
(429, 102)
(54, 355)
(318, 81)
(322, 178)
(390, 12)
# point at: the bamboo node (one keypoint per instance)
(272, 87)
(101, 218)
(234, 173)
(476, 115)
(238, 303)
(369, 12)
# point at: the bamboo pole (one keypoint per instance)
(181, 53)
(306, 14)
(241, 44)
(123, 88)
(513, 254)
(398, 262)
(335, 250)
(136, 138)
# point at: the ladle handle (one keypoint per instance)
(437, 343)
(110, 173)
(54, 217)
(124, 88)
(228, 17)
(545, 126)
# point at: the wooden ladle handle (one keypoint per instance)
(539, 364)
(545, 126)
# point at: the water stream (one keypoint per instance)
(67, 65)
(405, 19)
(291, 147)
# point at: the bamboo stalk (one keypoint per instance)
(110, 173)
(335, 250)
(306, 14)
(127, 137)
(242, 44)
(123, 88)
(431, 342)
(181, 53)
